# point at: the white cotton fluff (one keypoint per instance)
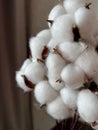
(35, 72)
(57, 11)
(20, 81)
(55, 63)
(62, 28)
(87, 104)
(45, 35)
(72, 5)
(73, 76)
(37, 45)
(56, 85)
(88, 61)
(58, 110)
(52, 44)
(71, 50)
(96, 126)
(85, 20)
(44, 93)
(69, 97)
(25, 64)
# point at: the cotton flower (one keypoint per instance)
(35, 72)
(85, 20)
(57, 11)
(88, 62)
(55, 63)
(87, 104)
(37, 45)
(58, 110)
(20, 81)
(44, 93)
(45, 35)
(71, 50)
(62, 28)
(73, 76)
(69, 97)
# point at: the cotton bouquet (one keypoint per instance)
(63, 66)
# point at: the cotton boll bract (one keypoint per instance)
(62, 28)
(35, 72)
(69, 97)
(45, 35)
(88, 61)
(87, 104)
(57, 11)
(73, 76)
(37, 45)
(55, 63)
(20, 81)
(71, 50)
(44, 93)
(85, 20)
(58, 110)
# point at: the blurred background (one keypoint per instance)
(19, 20)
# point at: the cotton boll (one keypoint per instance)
(52, 44)
(72, 5)
(35, 72)
(55, 63)
(87, 104)
(44, 93)
(85, 20)
(58, 110)
(45, 35)
(69, 97)
(62, 28)
(71, 50)
(88, 61)
(20, 81)
(57, 85)
(73, 76)
(57, 11)
(25, 64)
(37, 45)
